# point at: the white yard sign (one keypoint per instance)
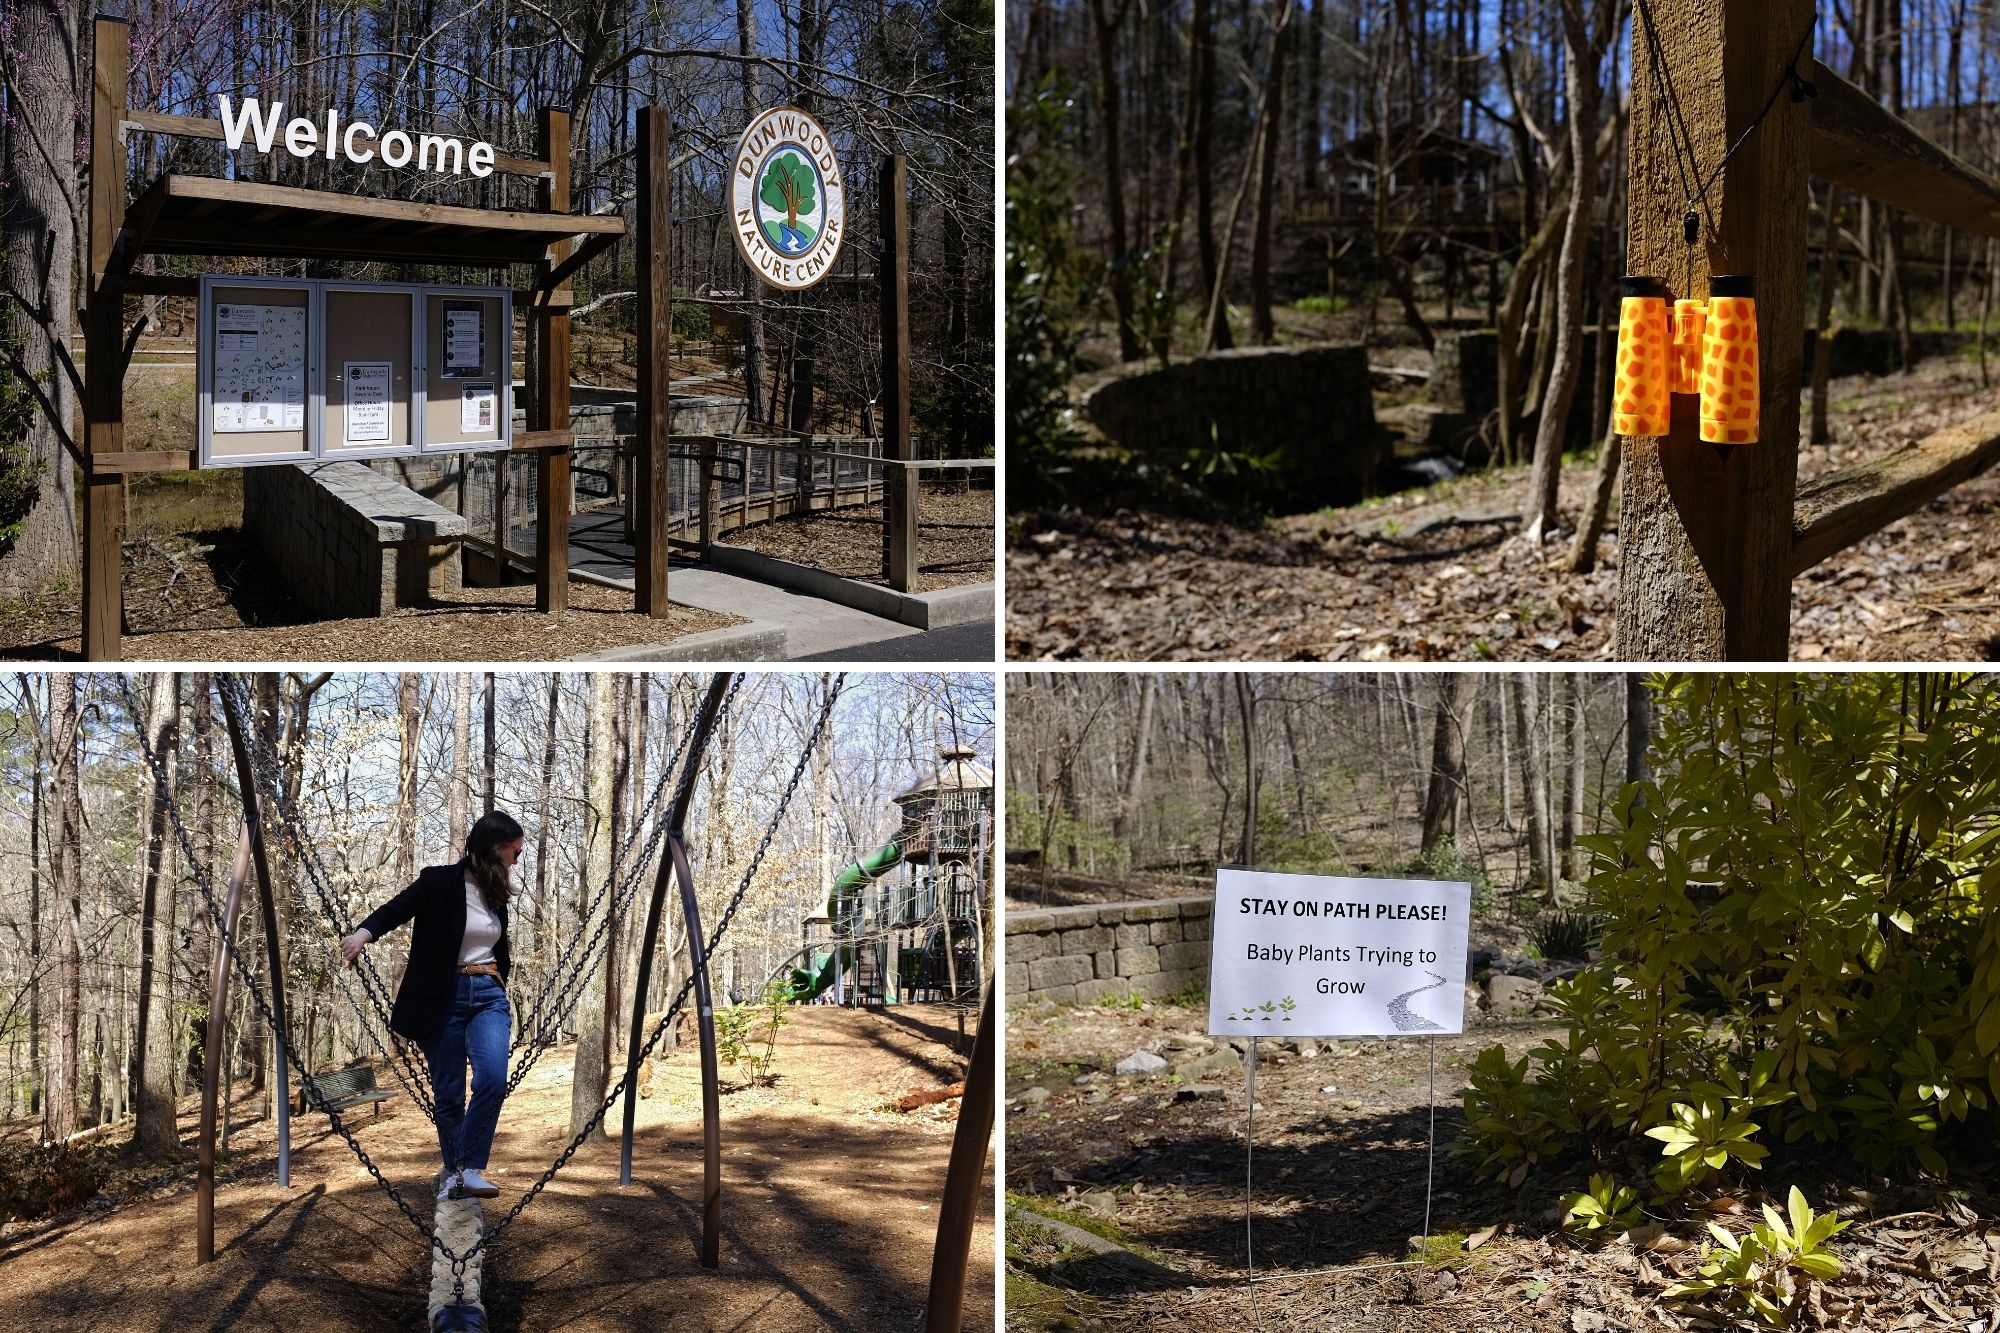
(1327, 956)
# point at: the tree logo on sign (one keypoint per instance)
(787, 199)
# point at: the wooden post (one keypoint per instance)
(711, 498)
(253, 832)
(899, 497)
(1705, 534)
(103, 349)
(551, 372)
(656, 343)
(212, 1057)
(944, 1312)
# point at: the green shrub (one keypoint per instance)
(1793, 909)
(1566, 934)
(1447, 862)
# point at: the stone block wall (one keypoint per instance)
(1080, 955)
(350, 541)
(1311, 405)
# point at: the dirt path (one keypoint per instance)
(1438, 574)
(830, 1207)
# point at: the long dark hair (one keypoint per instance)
(494, 830)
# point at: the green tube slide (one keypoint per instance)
(821, 969)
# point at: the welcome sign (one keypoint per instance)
(787, 199)
(1329, 956)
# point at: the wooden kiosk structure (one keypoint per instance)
(188, 215)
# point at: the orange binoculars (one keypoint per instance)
(1710, 349)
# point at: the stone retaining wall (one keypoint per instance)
(1080, 955)
(349, 540)
(1312, 406)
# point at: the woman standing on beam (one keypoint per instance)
(453, 1000)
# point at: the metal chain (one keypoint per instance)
(458, 1262)
(186, 840)
(680, 997)
(566, 999)
(205, 883)
(264, 764)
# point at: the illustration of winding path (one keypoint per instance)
(1399, 1009)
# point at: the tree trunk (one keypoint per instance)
(59, 1111)
(1447, 786)
(492, 742)
(1125, 825)
(406, 785)
(1105, 24)
(1580, 60)
(591, 1076)
(1638, 728)
(1534, 782)
(1572, 821)
(461, 757)
(1246, 704)
(753, 287)
(1262, 327)
(155, 1133)
(39, 227)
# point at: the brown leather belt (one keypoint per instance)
(479, 970)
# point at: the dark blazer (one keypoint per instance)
(430, 981)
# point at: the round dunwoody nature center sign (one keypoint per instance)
(787, 199)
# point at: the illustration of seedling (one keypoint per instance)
(1288, 1004)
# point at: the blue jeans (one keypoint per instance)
(476, 1029)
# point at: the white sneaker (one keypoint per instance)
(475, 1186)
(447, 1186)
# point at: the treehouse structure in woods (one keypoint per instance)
(241, 219)
(889, 938)
(1710, 539)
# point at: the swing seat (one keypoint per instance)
(459, 1319)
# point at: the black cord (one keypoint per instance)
(1683, 147)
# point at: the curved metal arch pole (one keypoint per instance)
(944, 1312)
(211, 1055)
(253, 826)
(675, 861)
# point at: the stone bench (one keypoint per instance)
(351, 541)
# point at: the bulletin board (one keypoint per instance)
(468, 368)
(258, 340)
(297, 369)
(370, 370)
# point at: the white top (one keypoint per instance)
(482, 927)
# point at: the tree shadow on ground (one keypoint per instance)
(1336, 1189)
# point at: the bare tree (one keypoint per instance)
(1446, 795)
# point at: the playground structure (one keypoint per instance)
(181, 214)
(457, 1235)
(888, 939)
(1711, 539)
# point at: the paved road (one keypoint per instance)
(956, 643)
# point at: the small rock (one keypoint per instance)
(1526, 967)
(1207, 1066)
(1512, 996)
(1307, 1048)
(1085, 1079)
(1033, 1096)
(1481, 960)
(1190, 1041)
(1140, 1062)
(1199, 1092)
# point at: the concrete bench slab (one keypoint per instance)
(352, 541)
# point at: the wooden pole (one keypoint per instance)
(551, 372)
(212, 1057)
(104, 371)
(1705, 533)
(253, 828)
(899, 497)
(656, 343)
(944, 1312)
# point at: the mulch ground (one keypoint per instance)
(215, 598)
(1340, 1166)
(829, 1210)
(1438, 574)
(954, 540)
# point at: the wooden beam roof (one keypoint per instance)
(202, 215)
